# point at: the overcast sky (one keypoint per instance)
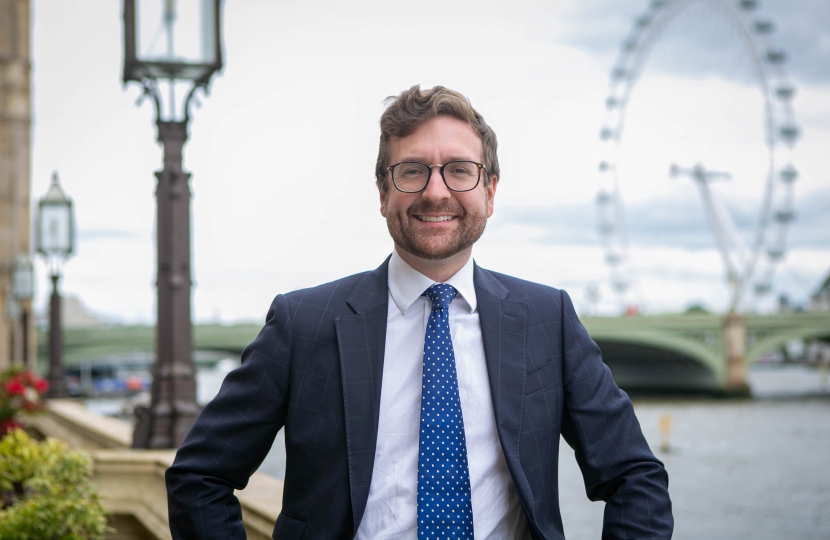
(283, 150)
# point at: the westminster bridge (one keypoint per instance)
(683, 352)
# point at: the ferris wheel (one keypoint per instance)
(749, 266)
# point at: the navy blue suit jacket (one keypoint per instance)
(316, 369)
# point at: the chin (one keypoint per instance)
(439, 245)
(433, 249)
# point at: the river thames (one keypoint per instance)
(738, 469)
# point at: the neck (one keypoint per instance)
(439, 270)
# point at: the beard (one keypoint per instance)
(437, 245)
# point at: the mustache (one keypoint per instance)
(424, 207)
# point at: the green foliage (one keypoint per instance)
(697, 309)
(46, 492)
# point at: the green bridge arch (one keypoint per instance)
(663, 351)
(84, 344)
(698, 338)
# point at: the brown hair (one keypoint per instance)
(413, 107)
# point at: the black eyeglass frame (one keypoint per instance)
(390, 171)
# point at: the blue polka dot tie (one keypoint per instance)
(444, 509)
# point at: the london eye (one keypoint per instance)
(749, 259)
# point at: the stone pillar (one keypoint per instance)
(15, 123)
(56, 376)
(735, 334)
(173, 408)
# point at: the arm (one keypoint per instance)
(616, 462)
(232, 436)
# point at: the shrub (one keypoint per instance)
(45, 491)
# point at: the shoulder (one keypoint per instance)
(313, 308)
(342, 296)
(337, 290)
(543, 300)
(516, 289)
(329, 300)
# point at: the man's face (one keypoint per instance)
(437, 223)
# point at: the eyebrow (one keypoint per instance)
(421, 160)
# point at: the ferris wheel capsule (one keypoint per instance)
(776, 57)
(788, 174)
(789, 133)
(764, 27)
(785, 92)
(620, 73)
(785, 216)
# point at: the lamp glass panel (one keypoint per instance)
(23, 286)
(175, 31)
(55, 229)
(12, 308)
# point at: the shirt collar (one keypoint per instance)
(407, 284)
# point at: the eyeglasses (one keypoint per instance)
(413, 176)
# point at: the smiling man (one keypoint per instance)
(425, 398)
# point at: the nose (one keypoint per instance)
(436, 189)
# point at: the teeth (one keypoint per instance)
(434, 219)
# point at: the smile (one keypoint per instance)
(432, 219)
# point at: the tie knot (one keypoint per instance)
(440, 294)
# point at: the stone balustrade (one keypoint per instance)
(130, 482)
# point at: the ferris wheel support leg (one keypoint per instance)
(735, 333)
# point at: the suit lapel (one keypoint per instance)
(504, 329)
(361, 339)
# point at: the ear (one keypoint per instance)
(491, 194)
(383, 194)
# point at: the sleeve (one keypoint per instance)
(232, 436)
(613, 455)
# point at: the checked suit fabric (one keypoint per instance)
(316, 367)
(444, 506)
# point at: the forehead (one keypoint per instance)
(440, 138)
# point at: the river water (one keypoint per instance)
(749, 469)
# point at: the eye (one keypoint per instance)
(461, 168)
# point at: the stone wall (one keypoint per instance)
(131, 482)
(15, 156)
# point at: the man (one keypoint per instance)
(427, 397)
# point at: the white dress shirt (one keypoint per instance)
(392, 509)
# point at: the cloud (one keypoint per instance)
(802, 29)
(282, 151)
(811, 228)
(98, 234)
(676, 221)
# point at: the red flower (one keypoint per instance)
(41, 385)
(15, 387)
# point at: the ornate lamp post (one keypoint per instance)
(23, 288)
(171, 47)
(56, 242)
(12, 313)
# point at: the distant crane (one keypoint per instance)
(730, 244)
